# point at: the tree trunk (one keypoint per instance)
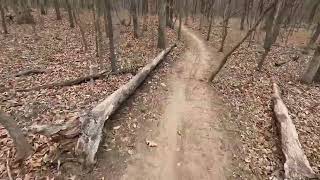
(314, 36)
(70, 13)
(135, 18)
(42, 9)
(93, 123)
(225, 23)
(110, 35)
(180, 19)
(57, 9)
(3, 20)
(145, 15)
(162, 25)
(313, 11)
(210, 26)
(24, 149)
(243, 16)
(313, 67)
(186, 11)
(297, 165)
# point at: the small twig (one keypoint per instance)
(8, 167)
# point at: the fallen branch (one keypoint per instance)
(225, 58)
(30, 72)
(278, 64)
(24, 149)
(297, 165)
(93, 122)
(70, 82)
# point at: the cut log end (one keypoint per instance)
(296, 163)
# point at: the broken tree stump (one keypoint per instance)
(24, 149)
(296, 164)
(93, 122)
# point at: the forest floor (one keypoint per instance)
(223, 130)
(249, 92)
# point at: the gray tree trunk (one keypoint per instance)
(3, 20)
(162, 25)
(244, 13)
(69, 9)
(314, 36)
(57, 9)
(225, 23)
(180, 19)
(313, 67)
(135, 18)
(110, 35)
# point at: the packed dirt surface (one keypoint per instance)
(189, 143)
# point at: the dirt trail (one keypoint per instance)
(190, 146)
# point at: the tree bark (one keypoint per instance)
(3, 20)
(110, 35)
(69, 9)
(57, 9)
(162, 25)
(24, 149)
(42, 9)
(180, 19)
(313, 67)
(244, 13)
(227, 14)
(314, 36)
(93, 123)
(135, 18)
(313, 11)
(297, 165)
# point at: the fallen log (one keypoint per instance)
(93, 122)
(30, 72)
(296, 165)
(24, 149)
(69, 82)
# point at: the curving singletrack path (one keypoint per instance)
(189, 144)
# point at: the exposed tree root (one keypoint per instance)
(30, 72)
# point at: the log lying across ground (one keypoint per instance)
(296, 165)
(93, 123)
(70, 82)
(30, 72)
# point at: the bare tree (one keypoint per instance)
(313, 68)
(211, 20)
(162, 24)
(244, 14)
(57, 9)
(134, 17)
(225, 23)
(69, 9)
(3, 20)
(313, 11)
(110, 35)
(180, 18)
(314, 36)
(273, 27)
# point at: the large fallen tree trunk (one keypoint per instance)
(24, 149)
(70, 82)
(297, 165)
(93, 122)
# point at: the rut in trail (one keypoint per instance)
(189, 144)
